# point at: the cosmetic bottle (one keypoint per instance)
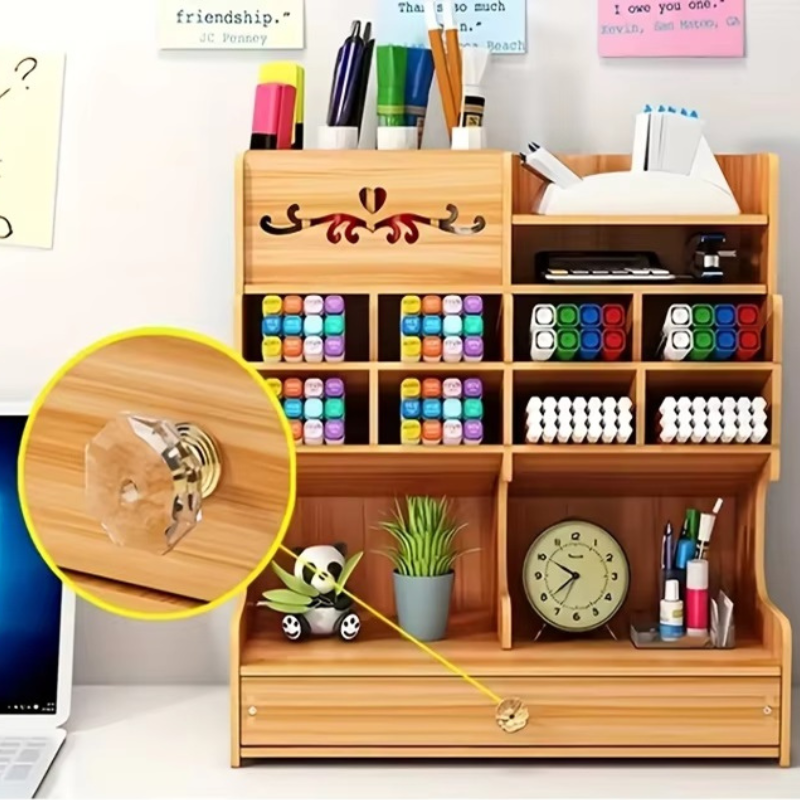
(671, 617)
(697, 597)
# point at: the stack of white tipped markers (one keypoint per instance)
(712, 420)
(578, 420)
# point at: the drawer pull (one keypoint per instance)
(252, 711)
(767, 710)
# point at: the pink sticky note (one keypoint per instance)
(678, 28)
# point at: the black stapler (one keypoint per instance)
(708, 254)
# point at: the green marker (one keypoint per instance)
(392, 63)
(705, 343)
(334, 325)
(567, 316)
(473, 325)
(473, 408)
(567, 345)
(693, 523)
(703, 316)
(334, 408)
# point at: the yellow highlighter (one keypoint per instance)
(271, 349)
(410, 431)
(276, 385)
(410, 389)
(291, 74)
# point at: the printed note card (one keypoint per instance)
(31, 91)
(678, 29)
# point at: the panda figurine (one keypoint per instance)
(330, 614)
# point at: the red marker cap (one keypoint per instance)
(748, 316)
(613, 316)
(749, 345)
(288, 98)
(613, 344)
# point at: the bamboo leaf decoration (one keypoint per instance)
(295, 584)
(349, 566)
(286, 601)
(424, 534)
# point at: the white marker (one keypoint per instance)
(624, 433)
(609, 433)
(714, 432)
(759, 418)
(595, 433)
(678, 345)
(759, 433)
(744, 433)
(729, 404)
(564, 433)
(684, 404)
(626, 404)
(594, 404)
(684, 434)
(534, 434)
(610, 405)
(550, 404)
(669, 405)
(699, 433)
(543, 316)
(679, 315)
(744, 404)
(714, 404)
(564, 404)
(549, 433)
(534, 405)
(668, 434)
(579, 433)
(728, 434)
(579, 404)
(543, 345)
(759, 404)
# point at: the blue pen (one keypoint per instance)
(419, 77)
(346, 77)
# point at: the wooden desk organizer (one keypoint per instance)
(375, 226)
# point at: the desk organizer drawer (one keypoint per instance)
(383, 218)
(446, 712)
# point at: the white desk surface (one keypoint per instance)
(172, 742)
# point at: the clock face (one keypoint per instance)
(576, 576)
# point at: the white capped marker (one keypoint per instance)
(579, 433)
(609, 433)
(744, 433)
(684, 404)
(759, 418)
(579, 404)
(678, 345)
(728, 434)
(534, 433)
(595, 433)
(549, 433)
(699, 433)
(714, 418)
(668, 434)
(699, 418)
(452, 432)
(759, 433)
(550, 418)
(564, 433)
(685, 418)
(594, 404)
(543, 316)
(625, 404)
(550, 404)
(699, 404)
(744, 404)
(610, 405)
(684, 434)
(624, 433)
(679, 315)
(728, 404)
(564, 404)
(714, 404)
(452, 349)
(668, 405)
(313, 432)
(580, 418)
(534, 405)
(624, 418)
(759, 404)
(714, 432)
(543, 344)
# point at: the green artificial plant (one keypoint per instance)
(425, 538)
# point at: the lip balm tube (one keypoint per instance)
(748, 345)
(726, 347)
(473, 325)
(313, 349)
(432, 408)
(334, 305)
(451, 408)
(744, 433)
(684, 434)
(334, 349)
(312, 325)
(678, 345)
(410, 349)
(564, 433)
(725, 315)
(543, 344)
(713, 432)
(699, 432)
(296, 428)
(579, 433)
(272, 326)
(293, 305)
(591, 344)
(729, 432)
(293, 349)
(679, 315)
(697, 597)
(334, 325)
(473, 432)
(410, 388)
(334, 408)
(271, 349)
(590, 315)
(624, 433)
(293, 408)
(271, 305)
(452, 325)
(543, 316)
(748, 315)
(410, 409)
(705, 343)
(410, 431)
(334, 432)
(313, 305)
(432, 305)
(452, 349)
(549, 433)
(293, 325)
(431, 349)
(759, 433)
(473, 348)
(314, 388)
(452, 432)
(431, 326)
(473, 408)
(452, 305)
(533, 433)
(614, 316)
(410, 305)
(312, 408)
(614, 341)
(452, 389)
(567, 344)
(473, 387)
(702, 315)
(668, 434)
(473, 305)
(567, 315)
(594, 434)
(431, 387)
(431, 432)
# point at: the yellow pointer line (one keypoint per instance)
(476, 684)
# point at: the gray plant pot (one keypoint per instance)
(423, 605)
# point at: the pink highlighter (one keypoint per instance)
(270, 116)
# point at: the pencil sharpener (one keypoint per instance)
(146, 480)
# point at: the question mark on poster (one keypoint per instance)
(25, 75)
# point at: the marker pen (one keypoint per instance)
(452, 305)
(432, 305)
(704, 344)
(451, 388)
(473, 348)
(714, 404)
(668, 433)
(272, 305)
(296, 427)
(699, 433)
(579, 433)
(549, 434)
(725, 315)
(760, 433)
(748, 315)
(567, 316)
(729, 404)
(293, 408)
(744, 433)
(714, 432)
(410, 388)
(614, 341)
(334, 349)
(334, 387)
(473, 305)
(473, 387)
(452, 432)
(313, 305)
(591, 343)
(334, 432)
(293, 387)
(534, 406)
(431, 387)
(679, 315)
(293, 305)
(293, 349)
(543, 316)
(533, 433)
(580, 418)
(685, 418)
(313, 408)
(624, 404)
(334, 305)
(272, 326)
(624, 418)
(579, 404)
(726, 346)
(313, 349)
(275, 385)
(473, 325)
(595, 404)
(564, 405)
(266, 116)
(271, 349)
(684, 434)
(410, 409)
(678, 345)
(609, 433)
(614, 316)
(744, 404)
(748, 345)
(759, 404)
(431, 325)
(312, 325)
(334, 325)
(334, 408)
(410, 431)
(567, 343)
(590, 315)
(759, 418)
(543, 344)
(473, 408)
(594, 434)
(410, 349)
(431, 432)
(729, 432)
(452, 325)
(684, 404)
(549, 417)
(453, 349)
(451, 408)
(697, 597)
(702, 316)
(431, 408)
(293, 325)
(410, 305)
(431, 349)
(473, 432)
(564, 433)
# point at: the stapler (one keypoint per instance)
(708, 254)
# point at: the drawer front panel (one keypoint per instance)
(374, 219)
(447, 712)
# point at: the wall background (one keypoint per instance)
(144, 233)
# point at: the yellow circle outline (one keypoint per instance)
(198, 338)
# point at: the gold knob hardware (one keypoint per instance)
(252, 711)
(146, 480)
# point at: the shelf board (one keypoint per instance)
(386, 655)
(575, 366)
(306, 366)
(523, 220)
(440, 367)
(678, 288)
(345, 288)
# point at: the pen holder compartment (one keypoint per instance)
(337, 138)
(472, 138)
(382, 218)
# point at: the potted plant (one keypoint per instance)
(424, 555)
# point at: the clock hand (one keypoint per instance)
(568, 571)
(566, 583)
(572, 583)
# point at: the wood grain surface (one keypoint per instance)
(165, 377)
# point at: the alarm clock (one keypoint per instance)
(576, 576)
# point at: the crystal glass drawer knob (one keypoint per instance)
(252, 711)
(146, 480)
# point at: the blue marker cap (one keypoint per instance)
(271, 326)
(411, 326)
(293, 408)
(292, 325)
(684, 552)
(591, 315)
(591, 345)
(431, 326)
(661, 109)
(648, 109)
(694, 115)
(432, 408)
(451, 408)
(684, 112)
(725, 347)
(725, 315)
(411, 409)
(672, 110)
